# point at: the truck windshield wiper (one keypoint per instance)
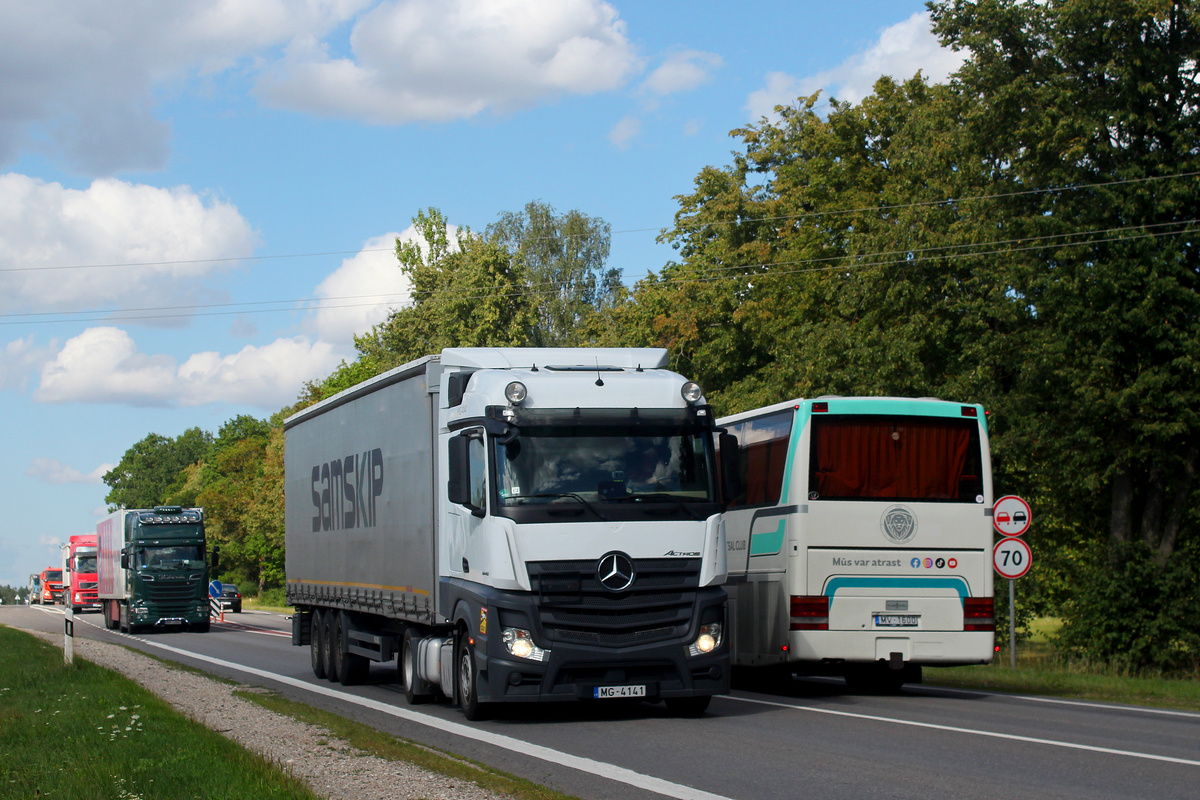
(573, 496)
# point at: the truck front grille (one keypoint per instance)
(575, 608)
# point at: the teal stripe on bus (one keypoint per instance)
(768, 543)
(884, 582)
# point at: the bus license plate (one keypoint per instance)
(603, 692)
(897, 620)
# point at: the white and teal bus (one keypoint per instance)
(860, 543)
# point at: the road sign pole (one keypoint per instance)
(1012, 622)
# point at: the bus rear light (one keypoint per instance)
(810, 613)
(820, 408)
(979, 614)
(969, 411)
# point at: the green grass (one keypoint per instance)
(1040, 671)
(82, 732)
(383, 745)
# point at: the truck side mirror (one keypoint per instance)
(459, 486)
(731, 469)
(216, 561)
(124, 559)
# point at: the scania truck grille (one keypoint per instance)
(575, 608)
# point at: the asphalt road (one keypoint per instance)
(799, 740)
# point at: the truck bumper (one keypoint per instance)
(659, 669)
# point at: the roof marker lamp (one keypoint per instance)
(515, 393)
(691, 392)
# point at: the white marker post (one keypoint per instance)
(1011, 516)
(69, 636)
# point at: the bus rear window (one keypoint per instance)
(895, 458)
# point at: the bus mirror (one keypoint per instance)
(731, 477)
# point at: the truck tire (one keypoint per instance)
(351, 668)
(416, 690)
(316, 644)
(327, 645)
(467, 679)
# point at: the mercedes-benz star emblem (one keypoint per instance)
(615, 572)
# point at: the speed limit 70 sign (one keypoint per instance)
(1012, 557)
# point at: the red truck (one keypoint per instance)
(79, 573)
(52, 585)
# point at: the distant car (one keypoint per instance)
(231, 598)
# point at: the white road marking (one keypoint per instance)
(974, 732)
(599, 768)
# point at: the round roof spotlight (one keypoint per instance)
(515, 392)
(691, 392)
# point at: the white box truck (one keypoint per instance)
(515, 525)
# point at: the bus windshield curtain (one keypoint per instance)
(898, 458)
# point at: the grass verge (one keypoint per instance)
(384, 745)
(83, 731)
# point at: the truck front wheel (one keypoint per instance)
(316, 644)
(468, 679)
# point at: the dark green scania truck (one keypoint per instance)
(152, 569)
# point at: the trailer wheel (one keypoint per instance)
(351, 668)
(416, 690)
(467, 677)
(327, 658)
(316, 644)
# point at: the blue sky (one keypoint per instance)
(199, 199)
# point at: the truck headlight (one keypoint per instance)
(708, 640)
(519, 642)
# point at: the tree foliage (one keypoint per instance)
(152, 469)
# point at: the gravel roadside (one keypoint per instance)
(331, 767)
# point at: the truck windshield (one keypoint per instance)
(85, 563)
(604, 467)
(54, 575)
(170, 557)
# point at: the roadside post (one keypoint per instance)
(1012, 556)
(69, 636)
(215, 609)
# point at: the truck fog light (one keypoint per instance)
(708, 640)
(691, 392)
(519, 642)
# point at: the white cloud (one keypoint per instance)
(682, 72)
(437, 60)
(625, 131)
(104, 365)
(51, 470)
(19, 361)
(362, 291)
(44, 226)
(902, 50)
(82, 77)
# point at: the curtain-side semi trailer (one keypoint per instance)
(512, 525)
